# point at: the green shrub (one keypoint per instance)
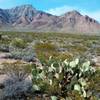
(94, 84)
(18, 42)
(45, 50)
(4, 47)
(45, 47)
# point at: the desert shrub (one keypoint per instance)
(18, 42)
(5, 37)
(26, 54)
(44, 56)
(4, 40)
(18, 69)
(17, 84)
(77, 49)
(63, 78)
(45, 50)
(4, 47)
(45, 47)
(98, 51)
(95, 83)
(65, 55)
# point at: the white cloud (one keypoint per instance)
(61, 10)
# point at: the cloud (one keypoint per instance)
(61, 10)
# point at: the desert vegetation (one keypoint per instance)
(49, 66)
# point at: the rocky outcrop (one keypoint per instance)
(4, 17)
(75, 22)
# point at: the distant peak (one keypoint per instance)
(26, 5)
(73, 12)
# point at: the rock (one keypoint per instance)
(96, 60)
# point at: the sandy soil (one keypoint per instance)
(3, 59)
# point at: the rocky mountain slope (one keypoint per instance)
(27, 18)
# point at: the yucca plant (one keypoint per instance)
(61, 77)
(18, 83)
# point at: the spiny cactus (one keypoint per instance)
(61, 77)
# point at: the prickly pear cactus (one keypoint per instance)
(61, 77)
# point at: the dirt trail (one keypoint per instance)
(4, 59)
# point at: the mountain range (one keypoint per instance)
(27, 18)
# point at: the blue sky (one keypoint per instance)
(58, 7)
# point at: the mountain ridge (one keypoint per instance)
(28, 18)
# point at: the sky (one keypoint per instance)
(59, 7)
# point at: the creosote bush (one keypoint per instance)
(45, 47)
(18, 42)
(45, 50)
(61, 79)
